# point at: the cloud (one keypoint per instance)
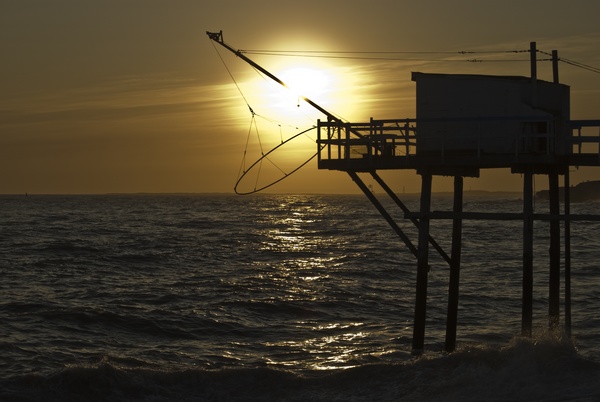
(118, 100)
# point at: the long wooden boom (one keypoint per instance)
(218, 37)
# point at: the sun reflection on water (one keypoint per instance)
(303, 275)
(327, 352)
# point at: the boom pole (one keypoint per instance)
(218, 37)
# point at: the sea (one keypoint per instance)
(280, 297)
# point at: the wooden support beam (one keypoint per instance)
(407, 212)
(418, 341)
(527, 296)
(453, 285)
(502, 216)
(554, 277)
(383, 212)
(567, 200)
(492, 216)
(533, 63)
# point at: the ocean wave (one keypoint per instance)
(547, 369)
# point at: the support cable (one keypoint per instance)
(580, 65)
(370, 55)
(388, 58)
(242, 169)
(573, 63)
(378, 55)
(264, 156)
(240, 90)
(232, 78)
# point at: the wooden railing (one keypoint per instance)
(399, 138)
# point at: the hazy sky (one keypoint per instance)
(131, 96)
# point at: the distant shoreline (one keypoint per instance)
(478, 193)
(584, 191)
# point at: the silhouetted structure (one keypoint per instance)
(466, 123)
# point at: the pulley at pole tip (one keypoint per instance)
(216, 36)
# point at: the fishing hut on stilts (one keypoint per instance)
(466, 123)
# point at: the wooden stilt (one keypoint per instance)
(422, 266)
(567, 211)
(527, 302)
(453, 287)
(527, 298)
(567, 195)
(554, 279)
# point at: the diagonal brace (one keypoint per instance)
(383, 212)
(405, 209)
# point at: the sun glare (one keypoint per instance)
(286, 104)
(305, 81)
(282, 137)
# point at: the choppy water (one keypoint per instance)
(275, 297)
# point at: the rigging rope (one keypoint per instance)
(253, 124)
(232, 78)
(353, 55)
(580, 65)
(573, 63)
(378, 58)
(344, 55)
(324, 52)
(240, 90)
(243, 164)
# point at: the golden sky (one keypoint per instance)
(131, 96)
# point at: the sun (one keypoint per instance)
(286, 103)
(282, 136)
(306, 81)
